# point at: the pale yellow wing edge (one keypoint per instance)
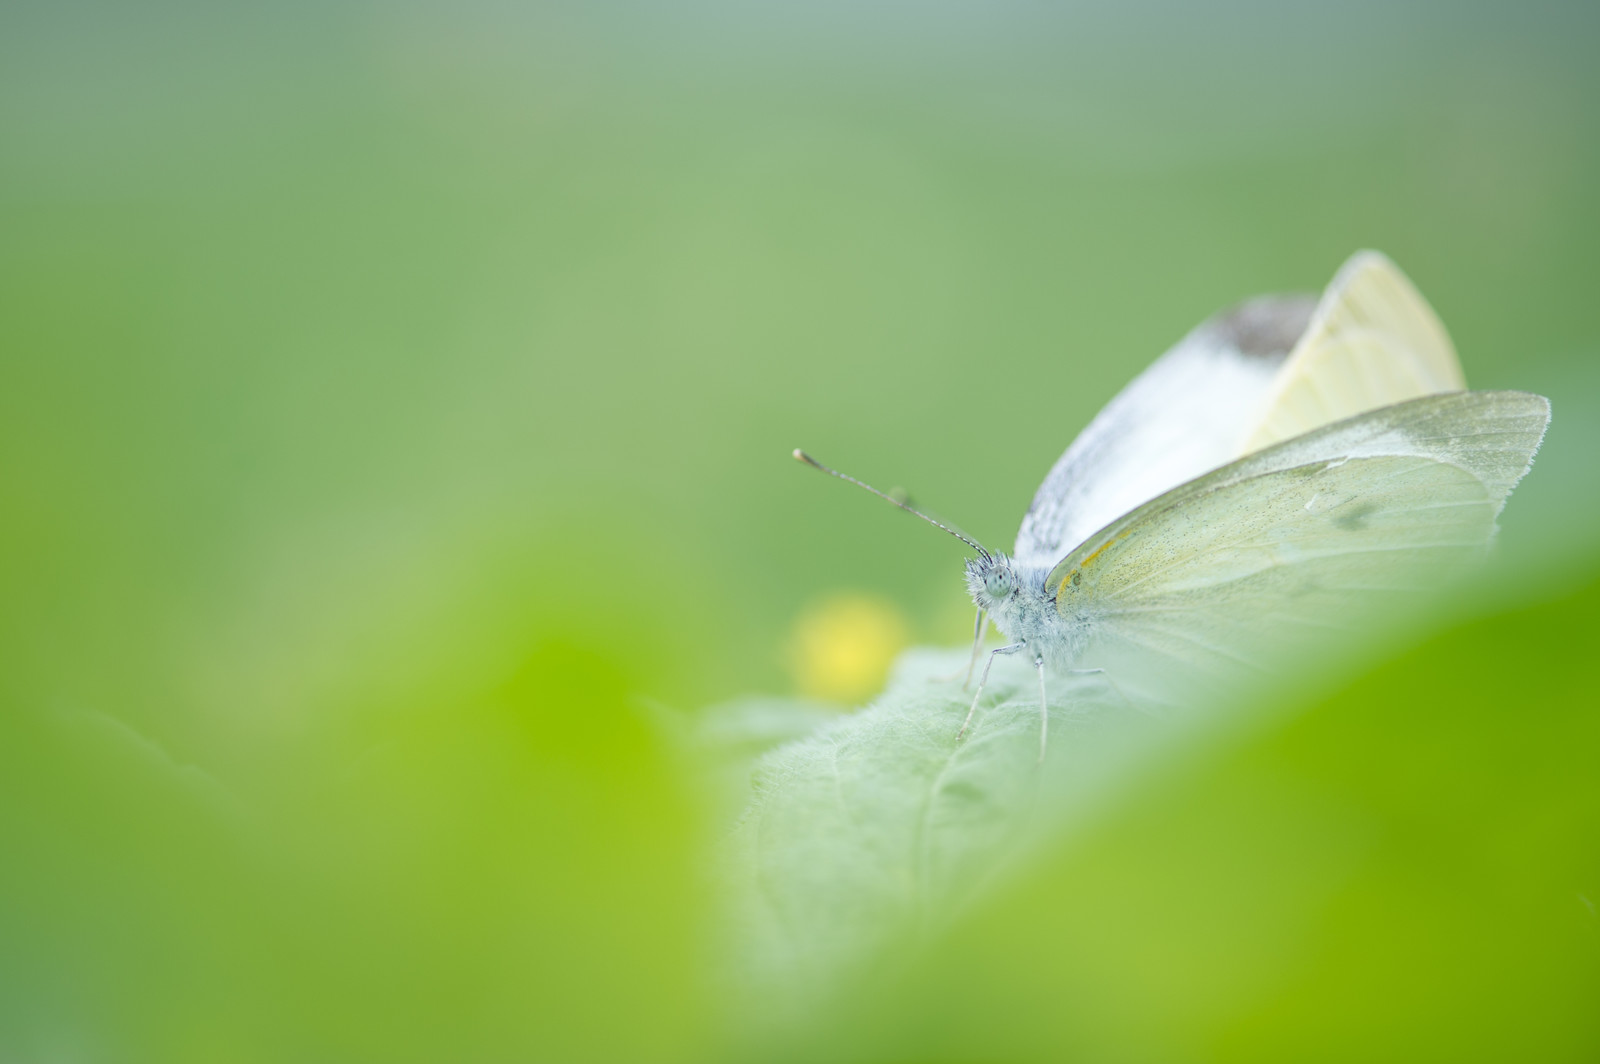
(1373, 341)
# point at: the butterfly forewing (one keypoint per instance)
(1269, 370)
(1176, 420)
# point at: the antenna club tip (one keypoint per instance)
(799, 455)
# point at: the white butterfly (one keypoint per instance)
(1286, 470)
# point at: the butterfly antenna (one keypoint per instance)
(801, 456)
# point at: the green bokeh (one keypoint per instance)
(395, 403)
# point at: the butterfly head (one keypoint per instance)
(992, 580)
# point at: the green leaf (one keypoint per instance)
(882, 825)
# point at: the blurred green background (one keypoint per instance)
(395, 407)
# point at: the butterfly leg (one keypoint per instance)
(980, 628)
(983, 682)
(1044, 709)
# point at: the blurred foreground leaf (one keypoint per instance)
(1407, 870)
(489, 873)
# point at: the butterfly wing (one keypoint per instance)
(1279, 366)
(1176, 420)
(1297, 545)
(1372, 342)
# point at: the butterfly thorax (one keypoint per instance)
(1019, 604)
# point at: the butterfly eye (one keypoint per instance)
(998, 585)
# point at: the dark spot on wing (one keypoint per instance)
(1265, 328)
(1354, 518)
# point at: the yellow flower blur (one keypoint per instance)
(841, 646)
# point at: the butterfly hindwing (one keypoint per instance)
(1302, 542)
(1373, 341)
